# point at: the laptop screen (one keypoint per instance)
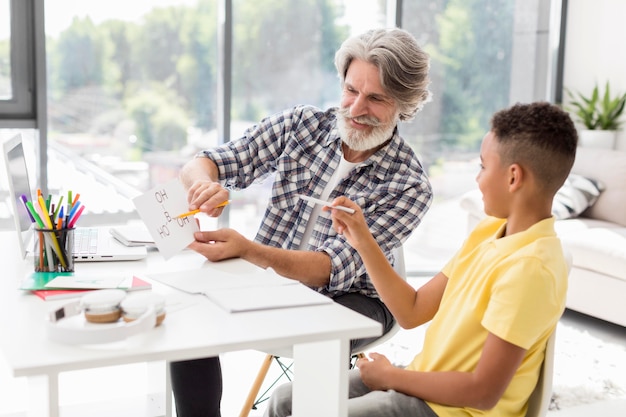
(17, 176)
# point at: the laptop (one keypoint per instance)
(102, 246)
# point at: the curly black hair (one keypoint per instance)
(540, 136)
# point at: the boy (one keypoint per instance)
(495, 303)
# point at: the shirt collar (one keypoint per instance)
(541, 229)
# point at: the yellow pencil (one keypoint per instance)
(192, 212)
(48, 222)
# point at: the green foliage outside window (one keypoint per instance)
(282, 56)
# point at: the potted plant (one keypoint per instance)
(599, 114)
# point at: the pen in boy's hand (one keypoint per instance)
(326, 203)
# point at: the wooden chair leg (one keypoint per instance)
(256, 386)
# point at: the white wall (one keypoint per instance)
(595, 49)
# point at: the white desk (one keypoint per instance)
(194, 327)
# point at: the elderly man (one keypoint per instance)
(354, 150)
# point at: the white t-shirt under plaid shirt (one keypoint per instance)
(302, 146)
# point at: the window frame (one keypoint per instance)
(28, 61)
(20, 110)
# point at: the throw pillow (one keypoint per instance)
(577, 194)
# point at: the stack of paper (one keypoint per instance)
(132, 235)
(237, 292)
(265, 298)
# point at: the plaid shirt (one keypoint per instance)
(303, 148)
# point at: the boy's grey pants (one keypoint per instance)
(362, 402)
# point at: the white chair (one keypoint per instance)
(251, 400)
(539, 400)
(400, 267)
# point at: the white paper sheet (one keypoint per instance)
(91, 281)
(203, 281)
(158, 209)
(236, 300)
(238, 291)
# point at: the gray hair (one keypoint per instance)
(402, 64)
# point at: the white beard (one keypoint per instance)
(362, 141)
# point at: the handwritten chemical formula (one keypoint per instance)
(164, 230)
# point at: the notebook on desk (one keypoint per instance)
(242, 291)
(99, 244)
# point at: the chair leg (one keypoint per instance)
(256, 386)
(286, 372)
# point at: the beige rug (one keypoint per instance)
(586, 369)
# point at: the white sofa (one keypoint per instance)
(596, 239)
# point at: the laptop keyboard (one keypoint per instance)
(85, 240)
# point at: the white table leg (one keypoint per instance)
(168, 390)
(320, 386)
(43, 392)
(159, 380)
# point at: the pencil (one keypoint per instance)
(75, 217)
(48, 222)
(76, 197)
(58, 207)
(28, 209)
(192, 212)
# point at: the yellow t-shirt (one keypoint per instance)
(513, 287)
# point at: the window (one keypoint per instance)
(131, 84)
(281, 59)
(6, 86)
(133, 88)
(16, 69)
(470, 44)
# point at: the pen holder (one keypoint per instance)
(53, 250)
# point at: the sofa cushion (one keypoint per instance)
(573, 198)
(609, 167)
(595, 245)
(578, 224)
(577, 194)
